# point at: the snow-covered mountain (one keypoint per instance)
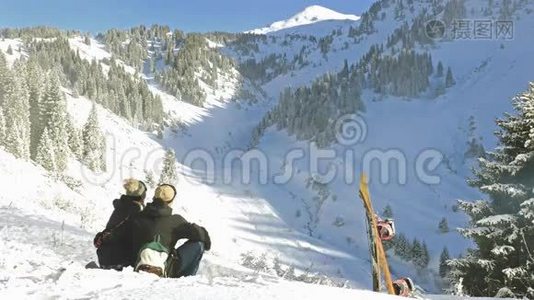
(48, 224)
(317, 229)
(311, 14)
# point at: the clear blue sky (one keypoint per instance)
(190, 15)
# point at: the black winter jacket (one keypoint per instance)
(124, 207)
(157, 219)
(113, 253)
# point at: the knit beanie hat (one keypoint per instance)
(165, 193)
(134, 187)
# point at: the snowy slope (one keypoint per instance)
(52, 225)
(17, 51)
(95, 51)
(311, 14)
(47, 222)
(488, 73)
(43, 258)
(57, 216)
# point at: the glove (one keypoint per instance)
(207, 240)
(101, 238)
(199, 234)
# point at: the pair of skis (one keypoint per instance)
(379, 264)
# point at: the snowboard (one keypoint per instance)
(379, 262)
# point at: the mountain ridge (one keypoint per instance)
(311, 14)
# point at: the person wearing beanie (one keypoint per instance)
(157, 219)
(112, 255)
(131, 202)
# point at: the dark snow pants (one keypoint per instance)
(187, 259)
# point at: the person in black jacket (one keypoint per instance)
(157, 219)
(112, 254)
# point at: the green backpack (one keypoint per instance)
(153, 258)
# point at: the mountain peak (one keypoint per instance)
(311, 14)
(317, 10)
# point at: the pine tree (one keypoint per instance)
(439, 71)
(503, 227)
(388, 212)
(9, 50)
(420, 255)
(4, 73)
(169, 54)
(449, 79)
(425, 257)
(168, 173)
(36, 83)
(74, 139)
(93, 154)
(54, 117)
(344, 74)
(45, 155)
(443, 266)
(443, 226)
(149, 179)
(453, 10)
(402, 247)
(2, 127)
(17, 115)
(416, 252)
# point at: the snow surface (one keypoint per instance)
(488, 74)
(311, 14)
(47, 227)
(52, 224)
(43, 258)
(95, 51)
(15, 45)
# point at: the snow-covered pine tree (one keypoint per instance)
(420, 255)
(425, 258)
(443, 259)
(36, 83)
(4, 72)
(54, 117)
(149, 179)
(449, 79)
(17, 114)
(415, 249)
(2, 127)
(443, 225)
(439, 71)
(168, 173)
(503, 227)
(402, 247)
(45, 155)
(93, 154)
(453, 10)
(75, 139)
(388, 212)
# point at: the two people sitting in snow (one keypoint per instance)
(145, 237)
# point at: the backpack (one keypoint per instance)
(153, 258)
